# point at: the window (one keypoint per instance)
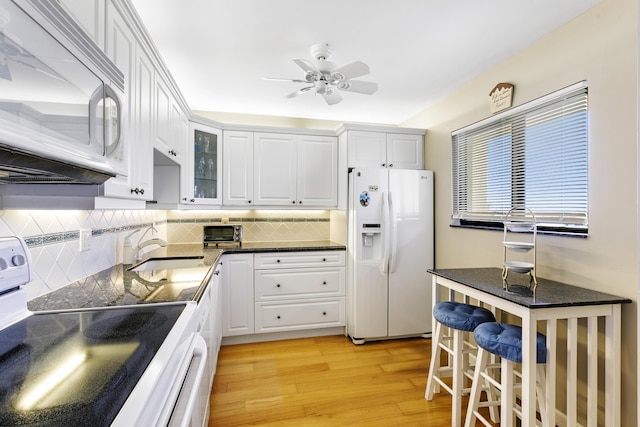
(534, 156)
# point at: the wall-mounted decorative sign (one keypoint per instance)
(501, 97)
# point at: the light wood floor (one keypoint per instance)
(326, 381)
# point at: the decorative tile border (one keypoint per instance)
(243, 220)
(67, 236)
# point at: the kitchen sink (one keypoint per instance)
(169, 263)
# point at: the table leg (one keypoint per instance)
(612, 394)
(528, 371)
(550, 395)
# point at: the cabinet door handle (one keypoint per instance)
(142, 191)
(192, 200)
(324, 283)
(390, 165)
(277, 260)
(293, 201)
(278, 317)
(384, 164)
(278, 285)
(324, 313)
(324, 260)
(300, 202)
(249, 201)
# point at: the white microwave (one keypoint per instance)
(62, 98)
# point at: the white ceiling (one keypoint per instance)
(417, 50)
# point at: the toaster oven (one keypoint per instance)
(227, 234)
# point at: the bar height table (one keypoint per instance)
(554, 301)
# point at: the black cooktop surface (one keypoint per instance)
(77, 368)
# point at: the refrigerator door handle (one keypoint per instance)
(393, 234)
(384, 268)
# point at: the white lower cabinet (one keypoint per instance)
(299, 290)
(236, 272)
(282, 291)
(302, 314)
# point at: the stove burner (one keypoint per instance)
(125, 325)
(71, 404)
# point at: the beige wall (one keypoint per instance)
(601, 47)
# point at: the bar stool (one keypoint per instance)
(505, 341)
(460, 318)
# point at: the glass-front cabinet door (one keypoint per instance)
(204, 186)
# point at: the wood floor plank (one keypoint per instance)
(326, 381)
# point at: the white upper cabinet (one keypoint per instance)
(203, 167)
(134, 153)
(280, 169)
(367, 149)
(142, 161)
(90, 15)
(405, 151)
(383, 149)
(163, 121)
(317, 171)
(275, 166)
(237, 168)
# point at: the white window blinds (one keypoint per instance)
(534, 156)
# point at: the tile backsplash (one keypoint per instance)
(257, 226)
(53, 236)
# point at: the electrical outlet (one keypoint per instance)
(85, 239)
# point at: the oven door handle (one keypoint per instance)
(189, 395)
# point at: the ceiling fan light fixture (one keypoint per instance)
(322, 87)
(343, 85)
(311, 77)
(337, 77)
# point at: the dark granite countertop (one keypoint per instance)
(549, 293)
(117, 286)
(319, 245)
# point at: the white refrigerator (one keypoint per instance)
(390, 248)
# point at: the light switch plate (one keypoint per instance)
(85, 239)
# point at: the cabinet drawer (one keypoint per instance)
(293, 315)
(299, 283)
(299, 259)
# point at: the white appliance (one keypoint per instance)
(61, 107)
(391, 247)
(120, 366)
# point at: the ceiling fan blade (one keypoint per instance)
(332, 97)
(350, 71)
(299, 92)
(306, 65)
(358, 86)
(276, 79)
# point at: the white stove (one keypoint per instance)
(15, 272)
(118, 366)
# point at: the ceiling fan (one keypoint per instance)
(325, 77)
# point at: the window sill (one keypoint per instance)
(498, 226)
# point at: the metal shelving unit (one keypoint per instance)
(519, 246)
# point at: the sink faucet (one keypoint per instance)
(131, 253)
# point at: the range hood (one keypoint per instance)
(19, 167)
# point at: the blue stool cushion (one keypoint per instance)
(506, 341)
(463, 317)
